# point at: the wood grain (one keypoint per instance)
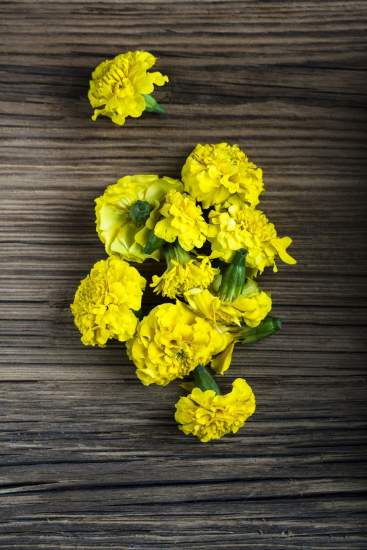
(89, 457)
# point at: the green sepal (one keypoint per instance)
(152, 106)
(233, 277)
(267, 327)
(176, 252)
(153, 243)
(204, 380)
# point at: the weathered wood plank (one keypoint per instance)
(89, 458)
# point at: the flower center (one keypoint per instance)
(181, 355)
(139, 212)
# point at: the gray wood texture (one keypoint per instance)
(89, 457)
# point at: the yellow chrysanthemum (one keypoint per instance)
(171, 341)
(122, 232)
(235, 226)
(182, 220)
(212, 173)
(180, 277)
(104, 301)
(208, 415)
(118, 85)
(249, 308)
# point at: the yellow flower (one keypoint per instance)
(212, 173)
(209, 416)
(249, 308)
(182, 220)
(128, 210)
(104, 301)
(119, 86)
(171, 341)
(180, 277)
(234, 226)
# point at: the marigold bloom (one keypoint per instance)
(118, 85)
(212, 173)
(118, 226)
(104, 301)
(208, 415)
(171, 341)
(234, 226)
(182, 220)
(180, 277)
(249, 308)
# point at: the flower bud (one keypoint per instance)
(233, 277)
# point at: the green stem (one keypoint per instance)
(152, 105)
(267, 327)
(204, 380)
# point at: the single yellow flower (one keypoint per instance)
(250, 308)
(208, 415)
(182, 220)
(212, 173)
(104, 301)
(120, 87)
(171, 341)
(235, 226)
(180, 277)
(127, 212)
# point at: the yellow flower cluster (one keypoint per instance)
(119, 87)
(171, 341)
(181, 219)
(213, 173)
(105, 302)
(179, 277)
(208, 415)
(214, 243)
(128, 210)
(251, 307)
(234, 225)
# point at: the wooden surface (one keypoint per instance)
(89, 457)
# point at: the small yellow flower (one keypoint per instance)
(209, 416)
(171, 341)
(104, 301)
(182, 220)
(235, 226)
(128, 210)
(212, 173)
(180, 277)
(249, 308)
(119, 86)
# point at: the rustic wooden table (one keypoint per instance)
(92, 459)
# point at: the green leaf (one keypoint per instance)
(204, 380)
